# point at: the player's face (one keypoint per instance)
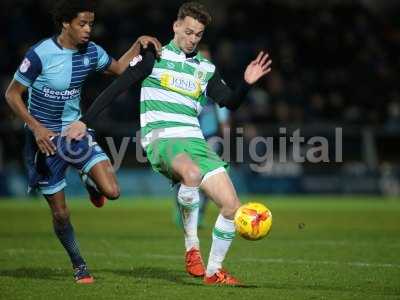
(80, 28)
(188, 34)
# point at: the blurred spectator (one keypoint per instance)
(332, 63)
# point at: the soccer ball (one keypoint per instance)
(253, 221)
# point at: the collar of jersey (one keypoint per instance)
(54, 39)
(196, 55)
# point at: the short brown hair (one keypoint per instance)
(195, 10)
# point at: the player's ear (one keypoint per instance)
(65, 25)
(176, 26)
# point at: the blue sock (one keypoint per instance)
(66, 236)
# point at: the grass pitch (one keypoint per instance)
(319, 248)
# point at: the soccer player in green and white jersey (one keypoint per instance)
(171, 99)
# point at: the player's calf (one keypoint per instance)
(64, 231)
(95, 196)
(110, 191)
(101, 177)
(230, 207)
(61, 217)
(99, 195)
(218, 187)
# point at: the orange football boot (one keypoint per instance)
(222, 277)
(97, 200)
(194, 263)
(82, 275)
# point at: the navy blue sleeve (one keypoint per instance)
(136, 72)
(223, 95)
(29, 69)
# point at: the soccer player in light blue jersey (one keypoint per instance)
(53, 72)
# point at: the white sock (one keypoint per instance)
(223, 234)
(188, 203)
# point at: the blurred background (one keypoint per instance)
(336, 64)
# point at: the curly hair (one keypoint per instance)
(67, 10)
(195, 10)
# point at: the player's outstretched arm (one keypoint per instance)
(224, 96)
(42, 135)
(138, 70)
(117, 67)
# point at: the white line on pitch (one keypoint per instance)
(16, 251)
(294, 261)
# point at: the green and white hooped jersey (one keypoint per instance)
(173, 95)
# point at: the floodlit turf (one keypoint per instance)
(319, 248)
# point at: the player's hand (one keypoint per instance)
(44, 141)
(75, 131)
(258, 68)
(145, 40)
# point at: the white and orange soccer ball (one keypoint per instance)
(253, 221)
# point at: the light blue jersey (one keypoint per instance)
(55, 76)
(211, 117)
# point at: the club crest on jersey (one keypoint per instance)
(200, 74)
(86, 61)
(181, 84)
(25, 65)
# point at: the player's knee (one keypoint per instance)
(111, 191)
(191, 175)
(188, 196)
(61, 216)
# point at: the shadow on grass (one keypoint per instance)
(37, 273)
(175, 276)
(138, 273)
(170, 275)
